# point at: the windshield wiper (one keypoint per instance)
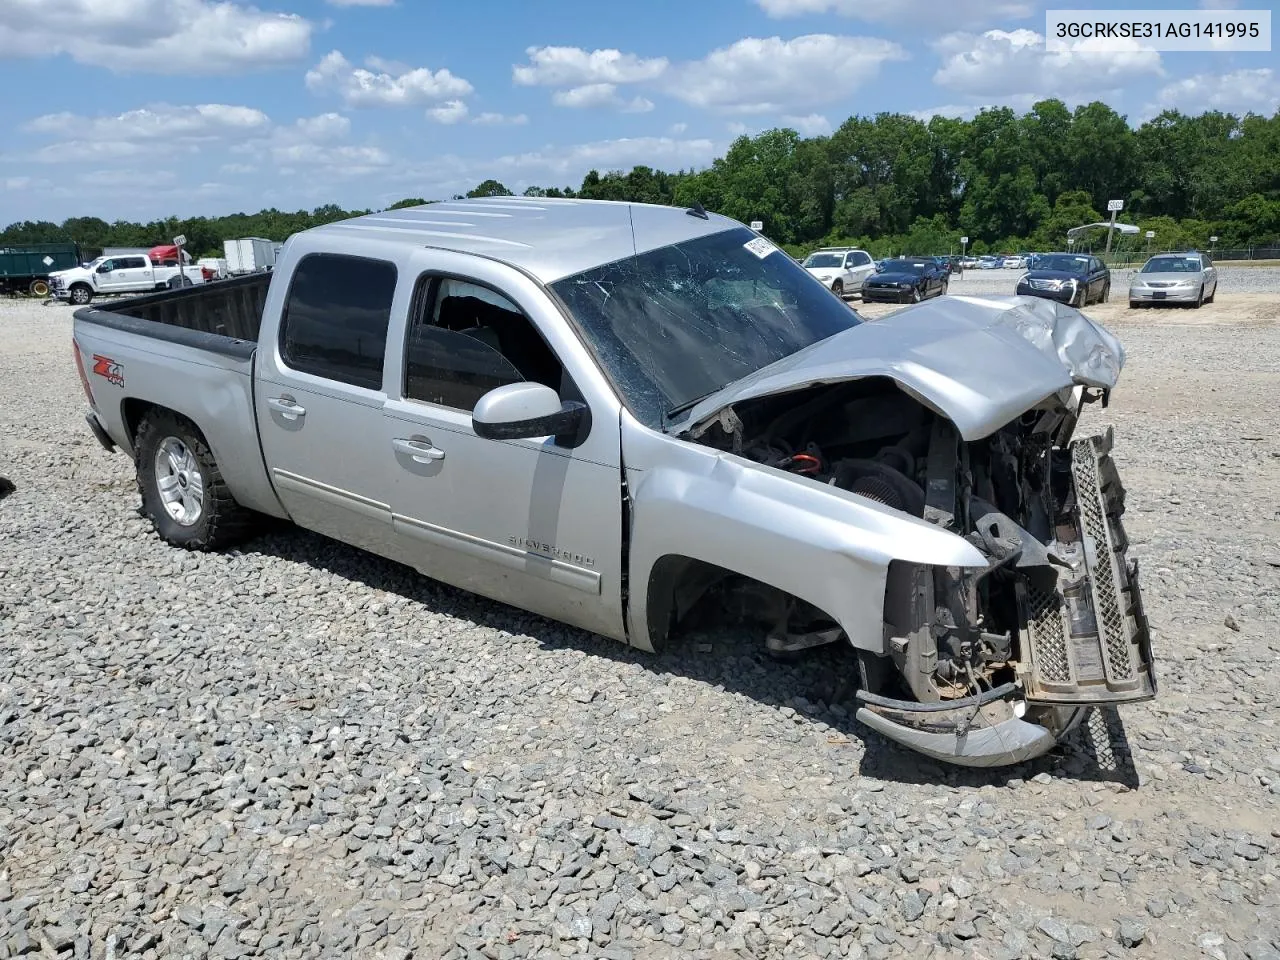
(681, 408)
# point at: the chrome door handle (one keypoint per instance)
(286, 407)
(420, 450)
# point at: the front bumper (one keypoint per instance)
(1062, 295)
(1166, 295)
(885, 294)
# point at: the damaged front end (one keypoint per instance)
(978, 666)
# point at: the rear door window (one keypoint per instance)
(336, 316)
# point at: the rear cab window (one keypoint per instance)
(336, 316)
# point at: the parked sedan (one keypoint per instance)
(907, 280)
(1074, 278)
(1185, 278)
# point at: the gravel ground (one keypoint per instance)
(298, 750)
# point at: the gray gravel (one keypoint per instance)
(298, 750)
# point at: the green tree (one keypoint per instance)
(489, 188)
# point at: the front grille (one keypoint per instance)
(1043, 284)
(1093, 521)
(1048, 635)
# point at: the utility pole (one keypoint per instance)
(1115, 206)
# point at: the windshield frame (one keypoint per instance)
(838, 257)
(1046, 261)
(645, 398)
(1174, 258)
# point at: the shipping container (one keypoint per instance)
(25, 268)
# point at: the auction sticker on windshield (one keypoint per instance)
(760, 247)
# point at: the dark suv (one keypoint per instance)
(1075, 278)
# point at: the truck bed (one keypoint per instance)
(223, 316)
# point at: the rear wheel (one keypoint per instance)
(182, 489)
(1213, 294)
(1106, 293)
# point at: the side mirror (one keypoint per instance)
(104, 268)
(522, 410)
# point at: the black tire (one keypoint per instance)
(1213, 296)
(943, 292)
(1106, 293)
(838, 289)
(39, 287)
(915, 294)
(1199, 299)
(1134, 305)
(221, 521)
(81, 294)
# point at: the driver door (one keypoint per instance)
(108, 276)
(526, 521)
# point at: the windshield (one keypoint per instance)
(824, 260)
(1062, 261)
(675, 324)
(903, 266)
(1172, 265)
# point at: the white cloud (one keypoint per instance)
(600, 95)
(922, 13)
(386, 84)
(1243, 91)
(772, 75)
(197, 37)
(575, 67)
(346, 161)
(204, 121)
(327, 126)
(1015, 66)
(237, 168)
(500, 120)
(811, 125)
(455, 111)
(661, 152)
(954, 111)
(677, 128)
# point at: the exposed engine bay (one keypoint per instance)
(979, 665)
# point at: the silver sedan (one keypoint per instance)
(1182, 278)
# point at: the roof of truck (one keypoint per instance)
(548, 238)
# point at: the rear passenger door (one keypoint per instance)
(319, 398)
(860, 266)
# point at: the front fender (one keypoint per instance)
(822, 544)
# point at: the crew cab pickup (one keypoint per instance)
(611, 414)
(134, 273)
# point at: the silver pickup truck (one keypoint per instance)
(611, 413)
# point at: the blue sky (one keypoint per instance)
(144, 108)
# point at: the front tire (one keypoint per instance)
(915, 295)
(1199, 300)
(39, 288)
(81, 294)
(182, 489)
(838, 289)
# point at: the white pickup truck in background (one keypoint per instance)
(134, 273)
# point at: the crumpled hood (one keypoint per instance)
(979, 361)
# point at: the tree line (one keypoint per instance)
(893, 183)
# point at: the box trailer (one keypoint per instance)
(249, 254)
(25, 268)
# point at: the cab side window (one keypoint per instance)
(465, 339)
(336, 316)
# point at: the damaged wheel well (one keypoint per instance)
(678, 583)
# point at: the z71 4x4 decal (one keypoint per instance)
(108, 369)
